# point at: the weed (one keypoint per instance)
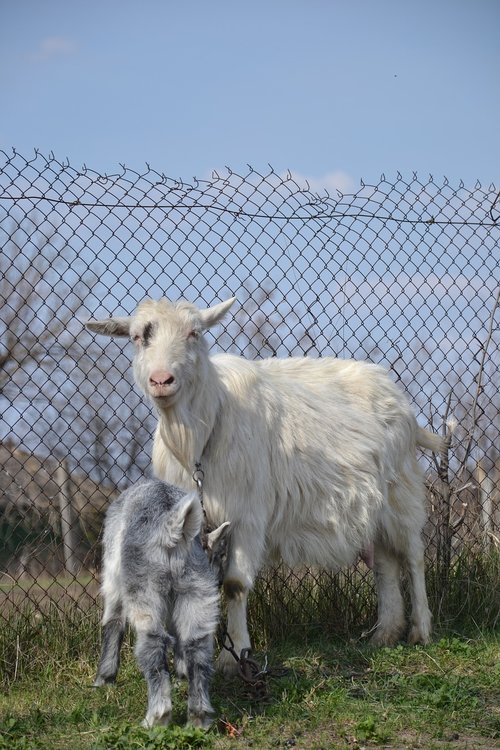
(12, 736)
(125, 737)
(370, 729)
(327, 693)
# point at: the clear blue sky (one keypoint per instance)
(333, 90)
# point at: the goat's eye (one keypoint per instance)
(193, 334)
(136, 339)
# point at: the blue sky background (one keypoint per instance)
(333, 90)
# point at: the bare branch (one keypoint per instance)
(479, 384)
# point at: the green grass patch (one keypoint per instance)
(332, 689)
(329, 694)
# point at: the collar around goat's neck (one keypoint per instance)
(198, 478)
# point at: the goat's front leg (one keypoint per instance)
(150, 651)
(238, 580)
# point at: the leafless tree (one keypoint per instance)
(261, 329)
(36, 281)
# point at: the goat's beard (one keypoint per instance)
(178, 433)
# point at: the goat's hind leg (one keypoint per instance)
(198, 656)
(421, 618)
(150, 650)
(112, 631)
(409, 543)
(391, 619)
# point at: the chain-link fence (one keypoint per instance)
(402, 273)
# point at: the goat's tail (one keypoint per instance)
(430, 441)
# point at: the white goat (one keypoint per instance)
(157, 576)
(309, 459)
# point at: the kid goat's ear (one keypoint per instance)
(216, 536)
(188, 517)
(110, 326)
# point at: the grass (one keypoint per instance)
(470, 594)
(47, 582)
(340, 694)
(331, 693)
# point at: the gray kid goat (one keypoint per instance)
(157, 576)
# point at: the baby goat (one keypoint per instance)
(157, 577)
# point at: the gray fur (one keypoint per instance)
(157, 577)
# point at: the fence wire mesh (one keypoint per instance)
(403, 273)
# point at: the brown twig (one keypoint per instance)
(479, 384)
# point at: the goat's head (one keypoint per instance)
(168, 343)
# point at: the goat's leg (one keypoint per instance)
(420, 631)
(237, 637)
(180, 659)
(242, 567)
(198, 658)
(150, 652)
(410, 506)
(391, 619)
(112, 630)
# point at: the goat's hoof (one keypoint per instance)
(227, 664)
(203, 721)
(419, 635)
(152, 721)
(385, 637)
(101, 681)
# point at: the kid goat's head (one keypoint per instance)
(168, 343)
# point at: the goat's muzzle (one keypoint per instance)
(163, 384)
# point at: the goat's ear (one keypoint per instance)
(188, 518)
(216, 536)
(110, 326)
(212, 315)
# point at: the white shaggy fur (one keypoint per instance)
(309, 459)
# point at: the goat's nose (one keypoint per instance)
(161, 377)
